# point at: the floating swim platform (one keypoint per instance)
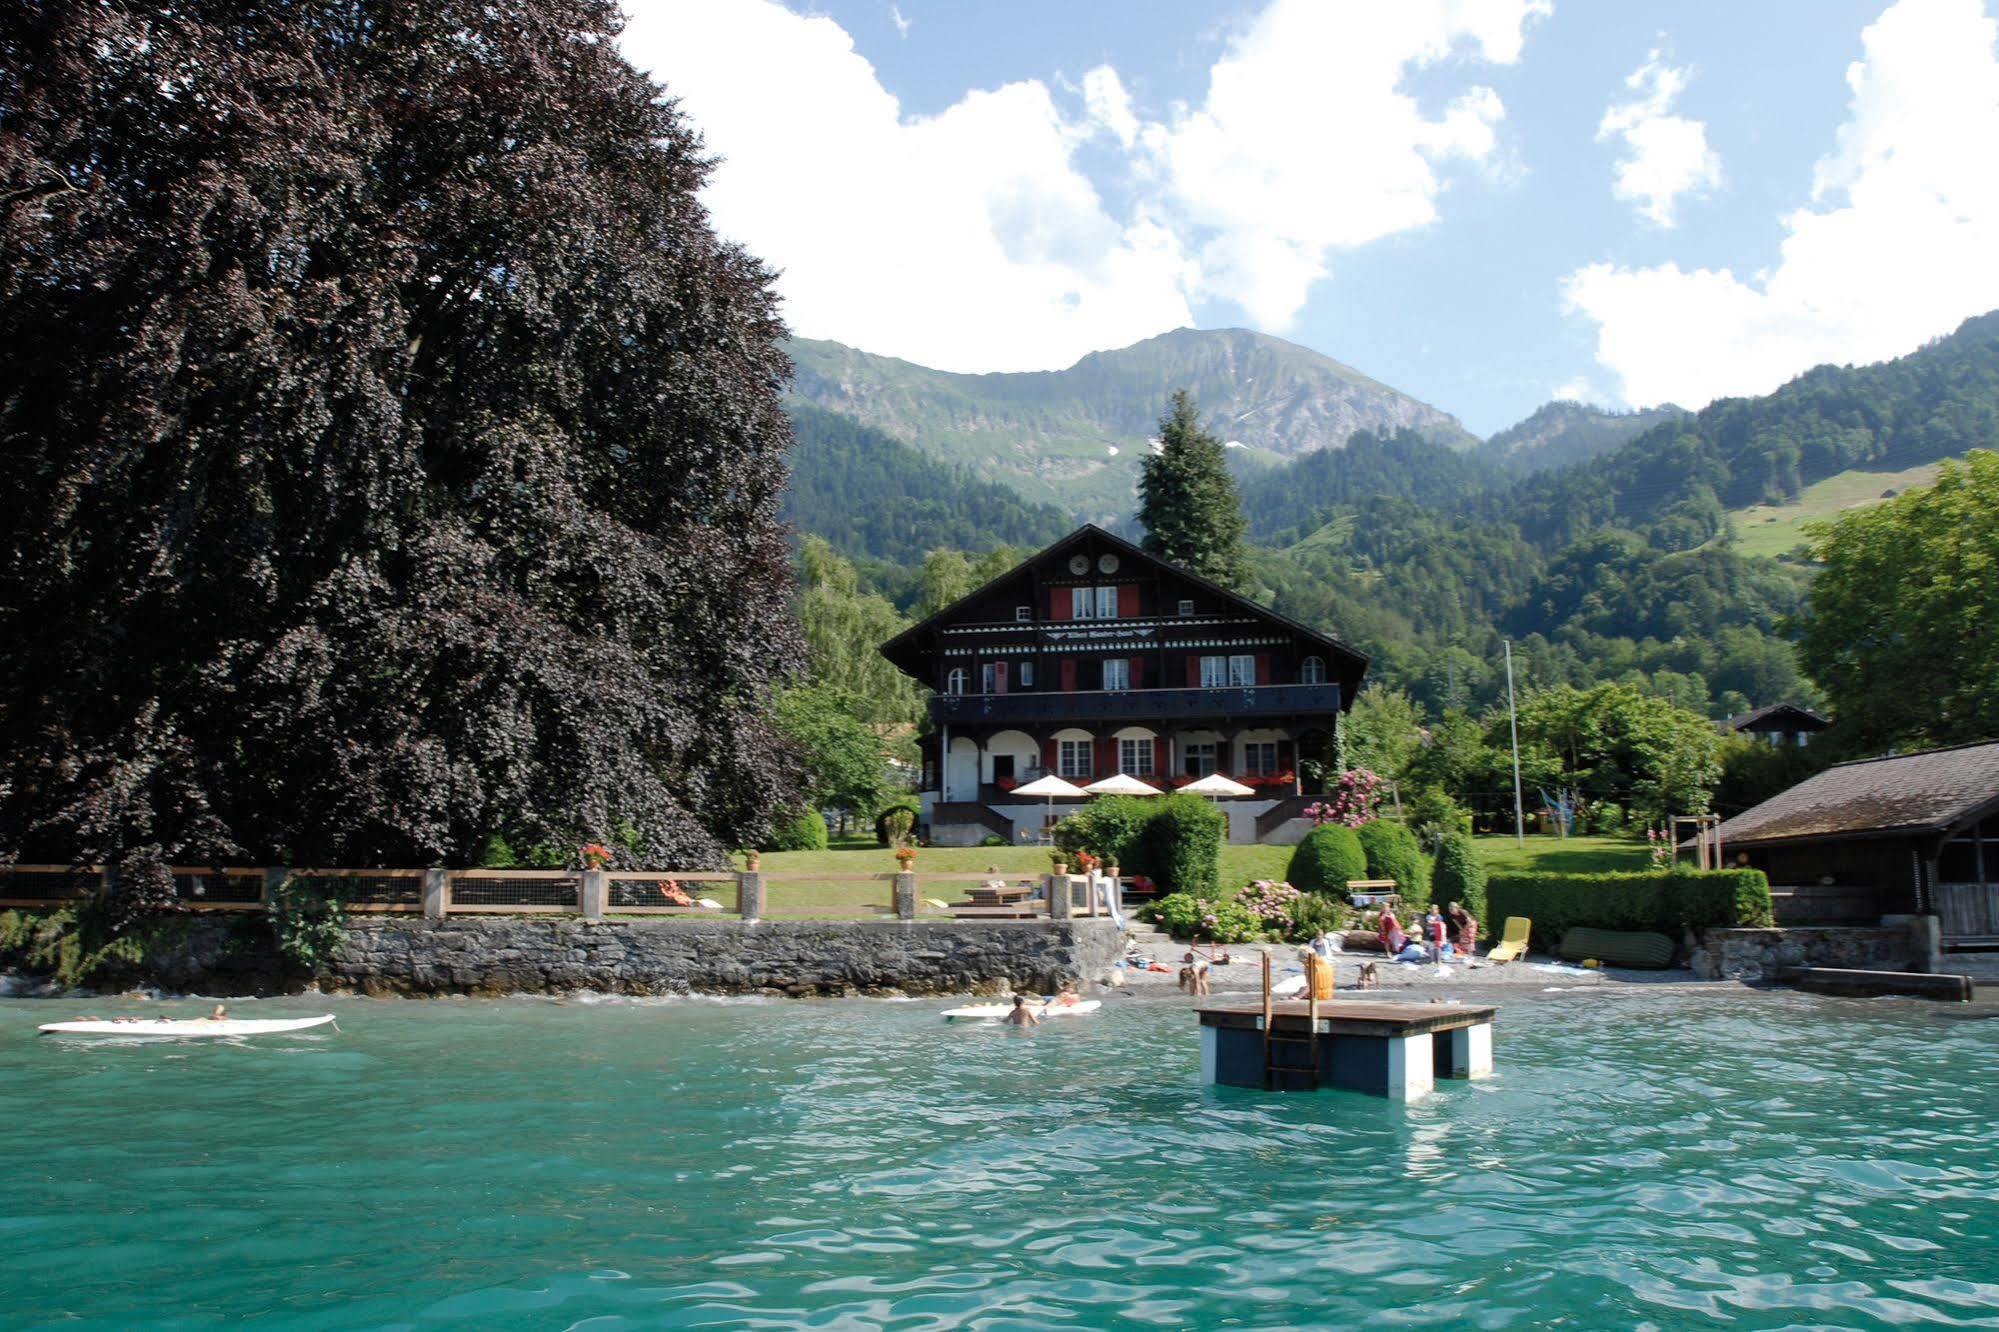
(994, 1012)
(180, 1027)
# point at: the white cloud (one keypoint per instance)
(1899, 242)
(1578, 389)
(1665, 156)
(973, 239)
(901, 23)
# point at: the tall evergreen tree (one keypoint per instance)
(390, 452)
(1188, 501)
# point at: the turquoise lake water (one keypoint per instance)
(1650, 1159)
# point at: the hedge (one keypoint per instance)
(1460, 877)
(1665, 901)
(1329, 856)
(1392, 853)
(805, 831)
(1175, 841)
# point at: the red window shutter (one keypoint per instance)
(999, 677)
(1262, 668)
(1193, 672)
(1138, 672)
(1058, 603)
(1050, 756)
(1068, 675)
(1127, 600)
(1159, 756)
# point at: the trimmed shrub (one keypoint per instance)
(1189, 916)
(1314, 913)
(805, 831)
(896, 821)
(1330, 855)
(1665, 901)
(1180, 847)
(1110, 827)
(1392, 853)
(1459, 876)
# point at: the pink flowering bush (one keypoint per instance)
(1351, 802)
(1273, 902)
(1217, 920)
(1660, 843)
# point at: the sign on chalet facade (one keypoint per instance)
(1094, 658)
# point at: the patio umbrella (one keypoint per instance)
(1051, 786)
(1214, 784)
(1122, 785)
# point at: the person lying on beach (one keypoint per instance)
(1022, 1015)
(1067, 996)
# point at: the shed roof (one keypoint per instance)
(1909, 793)
(1779, 716)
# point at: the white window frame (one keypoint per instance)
(1107, 603)
(1214, 672)
(1023, 614)
(1027, 675)
(1312, 671)
(1082, 603)
(1117, 675)
(1198, 758)
(956, 679)
(1073, 758)
(1186, 607)
(1242, 672)
(989, 678)
(1135, 757)
(1259, 758)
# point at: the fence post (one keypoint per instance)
(750, 895)
(905, 895)
(1061, 897)
(274, 875)
(594, 891)
(434, 895)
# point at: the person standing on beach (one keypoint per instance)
(1464, 929)
(1434, 933)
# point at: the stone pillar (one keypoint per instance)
(596, 894)
(274, 875)
(1060, 898)
(1926, 943)
(1411, 1067)
(750, 895)
(905, 895)
(1471, 1052)
(434, 885)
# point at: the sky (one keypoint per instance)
(1484, 203)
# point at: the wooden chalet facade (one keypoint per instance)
(1094, 658)
(1782, 725)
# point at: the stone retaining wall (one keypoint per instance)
(1901, 944)
(493, 955)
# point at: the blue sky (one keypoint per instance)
(1484, 203)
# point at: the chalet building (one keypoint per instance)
(1784, 725)
(1094, 658)
(1915, 833)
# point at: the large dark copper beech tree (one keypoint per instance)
(390, 451)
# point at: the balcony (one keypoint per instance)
(1136, 705)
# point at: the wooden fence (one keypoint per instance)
(592, 894)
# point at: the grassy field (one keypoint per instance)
(794, 889)
(1766, 529)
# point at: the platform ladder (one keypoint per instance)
(1290, 1076)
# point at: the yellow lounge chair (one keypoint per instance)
(1513, 942)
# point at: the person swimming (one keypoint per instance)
(1022, 1015)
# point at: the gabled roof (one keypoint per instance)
(1804, 719)
(1346, 665)
(1917, 794)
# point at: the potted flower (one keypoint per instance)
(1085, 861)
(595, 855)
(905, 856)
(751, 859)
(1060, 860)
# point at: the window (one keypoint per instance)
(1186, 608)
(1082, 603)
(1135, 757)
(1259, 758)
(1312, 671)
(954, 683)
(1117, 673)
(1242, 672)
(1027, 675)
(1023, 613)
(1106, 603)
(1073, 758)
(1214, 672)
(1199, 758)
(989, 678)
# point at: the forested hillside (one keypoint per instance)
(1560, 433)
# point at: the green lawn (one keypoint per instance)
(1561, 855)
(1764, 529)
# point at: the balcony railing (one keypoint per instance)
(1136, 704)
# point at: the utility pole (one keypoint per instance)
(1513, 724)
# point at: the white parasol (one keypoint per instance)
(1122, 785)
(1051, 786)
(1214, 784)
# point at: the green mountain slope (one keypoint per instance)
(1075, 436)
(1778, 529)
(1560, 433)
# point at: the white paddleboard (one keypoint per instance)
(186, 1026)
(994, 1012)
